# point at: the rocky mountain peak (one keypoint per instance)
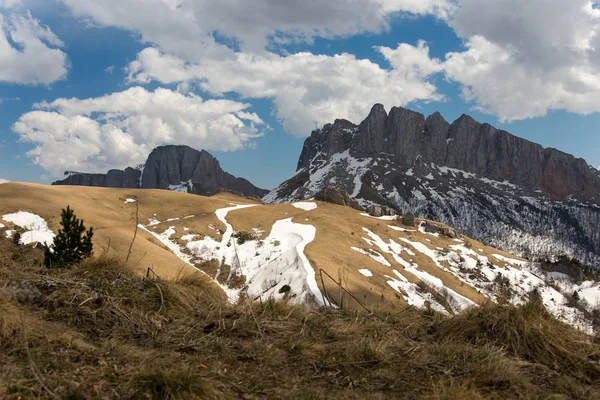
(171, 167)
(493, 185)
(465, 144)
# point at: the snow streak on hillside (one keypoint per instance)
(275, 267)
(498, 278)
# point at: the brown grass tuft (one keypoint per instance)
(100, 331)
(528, 332)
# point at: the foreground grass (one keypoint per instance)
(97, 331)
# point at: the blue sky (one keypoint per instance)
(90, 86)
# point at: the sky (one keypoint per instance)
(94, 85)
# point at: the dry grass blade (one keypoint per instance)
(103, 332)
(34, 370)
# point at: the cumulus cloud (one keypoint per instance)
(524, 58)
(308, 90)
(121, 129)
(29, 52)
(520, 58)
(183, 28)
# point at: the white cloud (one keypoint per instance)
(121, 129)
(183, 28)
(3, 181)
(308, 90)
(524, 58)
(38, 58)
(521, 58)
(252, 117)
(9, 3)
(110, 69)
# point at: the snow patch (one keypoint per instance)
(306, 206)
(374, 255)
(399, 229)
(189, 238)
(383, 218)
(36, 228)
(183, 187)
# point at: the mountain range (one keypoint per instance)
(506, 191)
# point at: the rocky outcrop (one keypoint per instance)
(337, 196)
(489, 184)
(380, 211)
(178, 168)
(408, 219)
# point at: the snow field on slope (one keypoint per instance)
(323, 174)
(383, 218)
(412, 294)
(479, 272)
(520, 279)
(410, 291)
(36, 228)
(268, 264)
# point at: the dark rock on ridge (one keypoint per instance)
(170, 167)
(337, 196)
(408, 219)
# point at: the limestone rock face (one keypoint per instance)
(485, 182)
(170, 167)
(407, 136)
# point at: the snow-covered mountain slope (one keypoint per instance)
(311, 253)
(490, 185)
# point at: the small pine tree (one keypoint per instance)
(17, 238)
(72, 244)
(575, 297)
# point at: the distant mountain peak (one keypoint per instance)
(171, 167)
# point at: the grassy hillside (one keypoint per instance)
(338, 230)
(311, 253)
(100, 331)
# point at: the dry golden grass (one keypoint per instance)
(99, 331)
(338, 229)
(114, 221)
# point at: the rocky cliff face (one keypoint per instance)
(179, 168)
(494, 186)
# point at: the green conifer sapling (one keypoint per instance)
(72, 244)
